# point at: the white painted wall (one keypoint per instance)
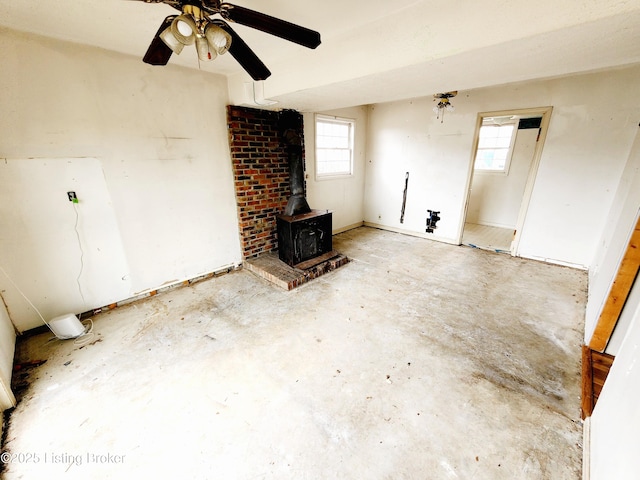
(585, 152)
(344, 195)
(618, 223)
(7, 347)
(615, 422)
(146, 150)
(495, 197)
(406, 137)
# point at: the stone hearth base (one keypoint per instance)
(271, 268)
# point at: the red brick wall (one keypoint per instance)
(261, 176)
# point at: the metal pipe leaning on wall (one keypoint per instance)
(404, 197)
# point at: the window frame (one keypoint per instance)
(351, 122)
(507, 164)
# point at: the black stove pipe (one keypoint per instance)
(290, 123)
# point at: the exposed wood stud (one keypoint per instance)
(620, 288)
(595, 369)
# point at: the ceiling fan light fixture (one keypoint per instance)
(443, 104)
(184, 29)
(440, 108)
(219, 39)
(205, 52)
(171, 41)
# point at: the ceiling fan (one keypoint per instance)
(214, 36)
(444, 97)
(443, 104)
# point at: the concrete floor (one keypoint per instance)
(417, 360)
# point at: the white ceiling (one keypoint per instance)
(372, 50)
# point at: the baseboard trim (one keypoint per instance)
(347, 228)
(490, 224)
(140, 296)
(553, 261)
(428, 236)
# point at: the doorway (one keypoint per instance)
(507, 150)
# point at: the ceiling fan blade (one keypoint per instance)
(177, 4)
(244, 55)
(274, 26)
(158, 52)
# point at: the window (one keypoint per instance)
(495, 144)
(334, 146)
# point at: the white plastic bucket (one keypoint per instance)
(66, 326)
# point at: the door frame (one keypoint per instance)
(7, 351)
(7, 399)
(545, 113)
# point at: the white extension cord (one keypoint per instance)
(85, 335)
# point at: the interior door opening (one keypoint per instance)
(504, 164)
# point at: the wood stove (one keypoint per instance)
(303, 233)
(303, 237)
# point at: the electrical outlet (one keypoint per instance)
(72, 197)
